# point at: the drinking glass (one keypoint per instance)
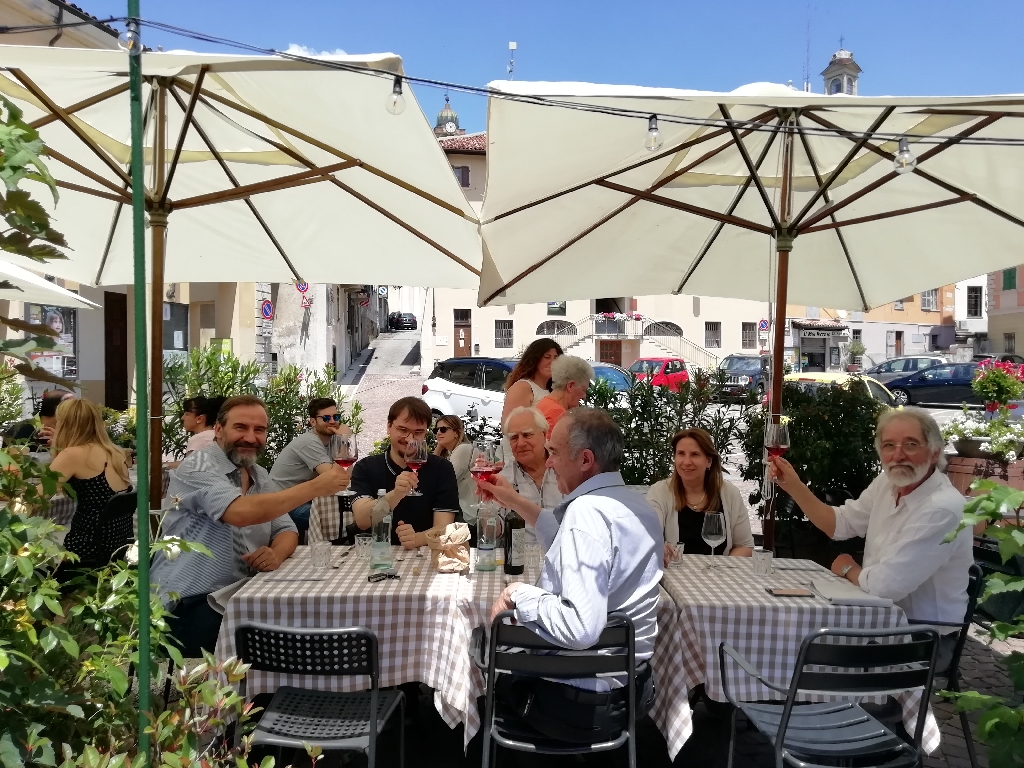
(363, 541)
(677, 555)
(415, 457)
(486, 462)
(347, 454)
(533, 557)
(762, 561)
(713, 532)
(776, 439)
(320, 554)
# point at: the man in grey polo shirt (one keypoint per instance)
(227, 503)
(310, 454)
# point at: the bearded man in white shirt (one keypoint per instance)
(904, 516)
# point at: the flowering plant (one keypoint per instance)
(1002, 436)
(621, 316)
(997, 384)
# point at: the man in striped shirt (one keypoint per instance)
(227, 503)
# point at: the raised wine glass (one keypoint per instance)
(484, 464)
(776, 439)
(713, 532)
(346, 455)
(416, 457)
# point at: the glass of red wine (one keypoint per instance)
(776, 439)
(415, 458)
(486, 462)
(347, 454)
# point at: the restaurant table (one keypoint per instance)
(329, 517)
(730, 604)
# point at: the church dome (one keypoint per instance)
(447, 115)
(842, 53)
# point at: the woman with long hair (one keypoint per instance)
(452, 444)
(695, 488)
(530, 380)
(96, 469)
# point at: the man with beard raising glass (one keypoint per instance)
(904, 515)
(226, 502)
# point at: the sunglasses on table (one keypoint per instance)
(335, 417)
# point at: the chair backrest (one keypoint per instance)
(516, 649)
(333, 652)
(975, 586)
(117, 533)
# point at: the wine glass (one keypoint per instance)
(415, 457)
(776, 439)
(713, 532)
(346, 455)
(485, 464)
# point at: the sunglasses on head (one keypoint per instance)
(335, 417)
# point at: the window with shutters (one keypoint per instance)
(974, 296)
(503, 334)
(1010, 343)
(898, 305)
(462, 174)
(749, 331)
(929, 300)
(713, 335)
(1010, 279)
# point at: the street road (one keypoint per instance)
(392, 372)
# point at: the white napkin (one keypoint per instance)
(219, 600)
(845, 593)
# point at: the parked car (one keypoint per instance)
(406, 321)
(744, 374)
(813, 380)
(1004, 358)
(393, 320)
(898, 367)
(949, 383)
(661, 371)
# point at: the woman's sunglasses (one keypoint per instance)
(441, 430)
(335, 417)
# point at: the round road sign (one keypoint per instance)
(302, 287)
(267, 309)
(763, 325)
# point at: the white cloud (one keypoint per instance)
(301, 50)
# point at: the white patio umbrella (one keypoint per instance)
(745, 186)
(17, 284)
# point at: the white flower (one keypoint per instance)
(986, 447)
(172, 551)
(1011, 456)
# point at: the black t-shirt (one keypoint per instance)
(691, 525)
(437, 484)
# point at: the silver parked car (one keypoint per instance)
(898, 367)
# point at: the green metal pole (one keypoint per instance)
(141, 382)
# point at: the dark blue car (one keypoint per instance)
(949, 383)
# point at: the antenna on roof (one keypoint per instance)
(807, 55)
(511, 61)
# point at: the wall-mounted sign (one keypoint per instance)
(382, 290)
(302, 287)
(306, 301)
(267, 309)
(814, 333)
(762, 325)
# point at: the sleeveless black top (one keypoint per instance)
(92, 543)
(691, 524)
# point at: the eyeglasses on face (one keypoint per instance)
(328, 418)
(909, 447)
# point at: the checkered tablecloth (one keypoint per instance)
(329, 517)
(730, 604)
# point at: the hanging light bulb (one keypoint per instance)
(654, 138)
(396, 101)
(904, 161)
(129, 41)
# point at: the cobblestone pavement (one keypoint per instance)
(387, 371)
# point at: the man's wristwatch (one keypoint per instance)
(845, 569)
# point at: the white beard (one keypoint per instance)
(904, 474)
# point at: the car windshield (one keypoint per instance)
(646, 367)
(615, 378)
(741, 364)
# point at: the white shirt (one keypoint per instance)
(904, 557)
(547, 496)
(603, 555)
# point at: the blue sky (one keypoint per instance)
(911, 48)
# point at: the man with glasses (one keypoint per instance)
(310, 454)
(904, 516)
(411, 515)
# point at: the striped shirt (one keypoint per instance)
(206, 483)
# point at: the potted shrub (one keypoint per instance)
(855, 349)
(991, 434)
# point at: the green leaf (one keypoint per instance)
(48, 640)
(75, 711)
(66, 641)
(4, 660)
(118, 680)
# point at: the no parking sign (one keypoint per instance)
(302, 287)
(267, 309)
(763, 325)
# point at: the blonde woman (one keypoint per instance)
(452, 444)
(96, 469)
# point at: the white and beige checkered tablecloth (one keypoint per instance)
(328, 518)
(729, 604)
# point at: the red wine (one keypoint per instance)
(483, 473)
(515, 544)
(415, 464)
(777, 450)
(345, 463)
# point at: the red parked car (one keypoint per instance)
(662, 371)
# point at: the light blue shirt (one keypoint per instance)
(603, 554)
(206, 483)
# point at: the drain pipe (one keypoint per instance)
(58, 19)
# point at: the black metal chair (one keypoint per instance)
(332, 721)
(812, 735)
(115, 530)
(514, 649)
(975, 585)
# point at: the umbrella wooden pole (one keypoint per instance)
(158, 226)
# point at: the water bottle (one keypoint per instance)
(380, 547)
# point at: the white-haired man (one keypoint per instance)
(528, 472)
(570, 378)
(904, 516)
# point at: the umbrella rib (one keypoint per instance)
(65, 118)
(951, 142)
(86, 172)
(185, 123)
(313, 175)
(694, 209)
(661, 155)
(732, 207)
(231, 177)
(890, 214)
(184, 85)
(89, 191)
(844, 164)
(839, 233)
(951, 188)
(85, 104)
(747, 161)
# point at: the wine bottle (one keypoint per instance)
(515, 544)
